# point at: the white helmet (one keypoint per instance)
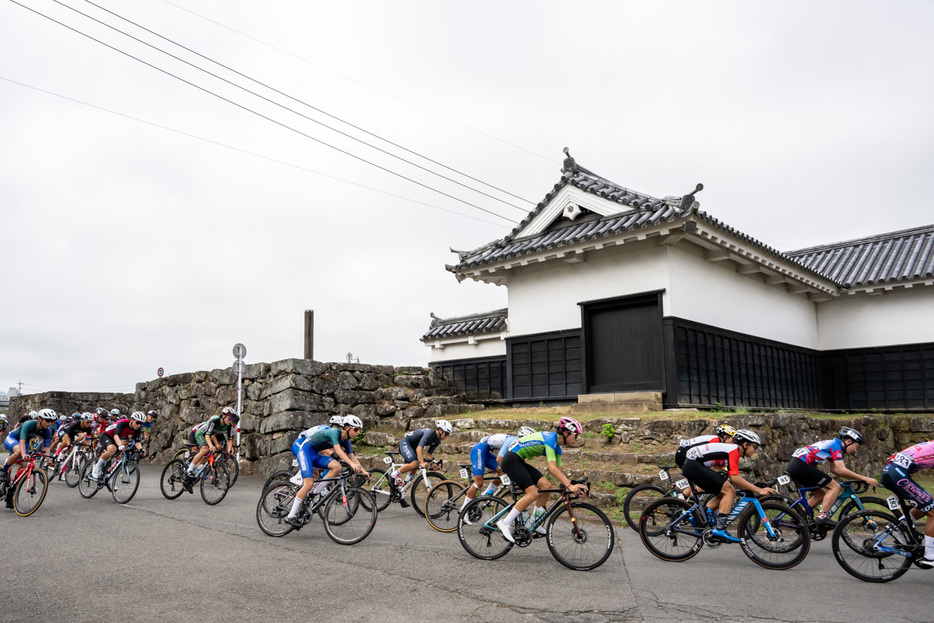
(445, 426)
(336, 420)
(526, 430)
(228, 411)
(139, 416)
(2, 418)
(353, 421)
(48, 415)
(744, 434)
(115, 412)
(33, 415)
(87, 417)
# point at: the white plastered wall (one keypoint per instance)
(900, 316)
(494, 347)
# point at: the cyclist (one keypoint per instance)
(151, 416)
(723, 434)
(75, 432)
(698, 468)
(3, 423)
(418, 445)
(18, 441)
(27, 416)
(528, 478)
(896, 476)
(487, 455)
(114, 415)
(803, 469)
(336, 421)
(310, 454)
(121, 435)
(208, 436)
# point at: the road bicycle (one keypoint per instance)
(675, 530)
(69, 468)
(121, 476)
(27, 488)
(878, 546)
(444, 500)
(639, 498)
(849, 502)
(416, 486)
(223, 456)
(348, 512)
(212, 474)
(579, 535)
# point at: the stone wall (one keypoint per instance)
(68, 403)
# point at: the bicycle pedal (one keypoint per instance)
(403, 503)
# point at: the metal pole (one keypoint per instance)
(239, 402)
(309, 334)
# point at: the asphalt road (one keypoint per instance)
(160, 560)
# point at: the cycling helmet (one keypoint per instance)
(2, 418)
(33, 415)
(744, 434)
(152, 413)
(66, 419)
(49, 415)
(100, 411)
(75, 414)
(115, 412)
(336, 420)
(139, 416)
(850, 433)
(228, 411)
(353, 421)
(445, 426)
(725, 429)
(87, 417)
(571, 425)
(526, 430)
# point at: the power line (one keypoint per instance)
(244, 151)
(266, 117)
(363, 84)
(323, 112)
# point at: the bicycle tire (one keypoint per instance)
(172, 479)
(73, 470)
(30, 492)
(442, 505)
(273, 507)
(125, 482)
(215, 483)
(862, 561)
(669, 529)
(180, 455)
(351, 517)
(580, 539)
(419, 490)
(86, 488)
(788, 544)
(479, 539)
(233, 468)
(637, 500)
(382, 489)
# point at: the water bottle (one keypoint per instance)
(407, 478)
(200, 469)
(490, 490)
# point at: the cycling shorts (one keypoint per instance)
(702, 476)
(806, 475)
(482, 459)
(408, 454)
(521, 473)
(308, 457)
(10, 443)
(897, 480)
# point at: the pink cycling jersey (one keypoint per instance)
(921, 456)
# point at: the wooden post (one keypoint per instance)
(309, 334)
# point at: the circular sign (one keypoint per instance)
(238, 366)
(160, 372)
(239, 351)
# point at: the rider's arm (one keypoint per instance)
(343, 456)
(838, 468)
(742, 483)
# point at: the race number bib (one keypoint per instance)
(505, 479)
(463, 473)
(901, 460)
(682, 484)
(893, 503)
(663, 475)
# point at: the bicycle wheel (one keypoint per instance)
(273, 507)
(183, 454)
(73, 470)
(480, 537)
(442, 505)
(381, 488)
(419, 490)
(280, 477)
(172, 479)
(638, 500)
(780, 541)
(86, 487)
(215, 482)
(670, 530)
(233, 468)
(125, 482)
(870, 503)
(581, 539)
(860, 543)
(350, 518)
(30, 491)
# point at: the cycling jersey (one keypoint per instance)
(214, 425)
(27, 431)
(326, 439)
(686, 444)
(423, 438)
(72, 430)
(820, 452)
(718, 454)
(506, 443)
(914, 458)
(538, 444)
(123, 430)
(482, 456)
(314, 429)
(896, 475)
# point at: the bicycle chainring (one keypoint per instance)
(522, 535)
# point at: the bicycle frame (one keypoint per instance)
(564, 500)
(847, 494)
(423, 471)
(917, 550)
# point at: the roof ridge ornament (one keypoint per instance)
(688, 202)
(569, 163)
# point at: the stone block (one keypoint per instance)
(375, 438)
(296, 400)
(306, 367)
(921, 425)
(292, 421)
(289, 381)
(352, 397)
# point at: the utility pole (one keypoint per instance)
(309, 334)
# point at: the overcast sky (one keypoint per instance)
(149, 223)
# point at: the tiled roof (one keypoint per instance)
(899, 256)
(474, 324)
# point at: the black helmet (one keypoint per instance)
(850, 433)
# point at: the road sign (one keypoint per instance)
(160, 372)
(238, 366)
(239, 351)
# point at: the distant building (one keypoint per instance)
(611, 290)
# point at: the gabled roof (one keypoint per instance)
(473, 324)
(899, 256)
